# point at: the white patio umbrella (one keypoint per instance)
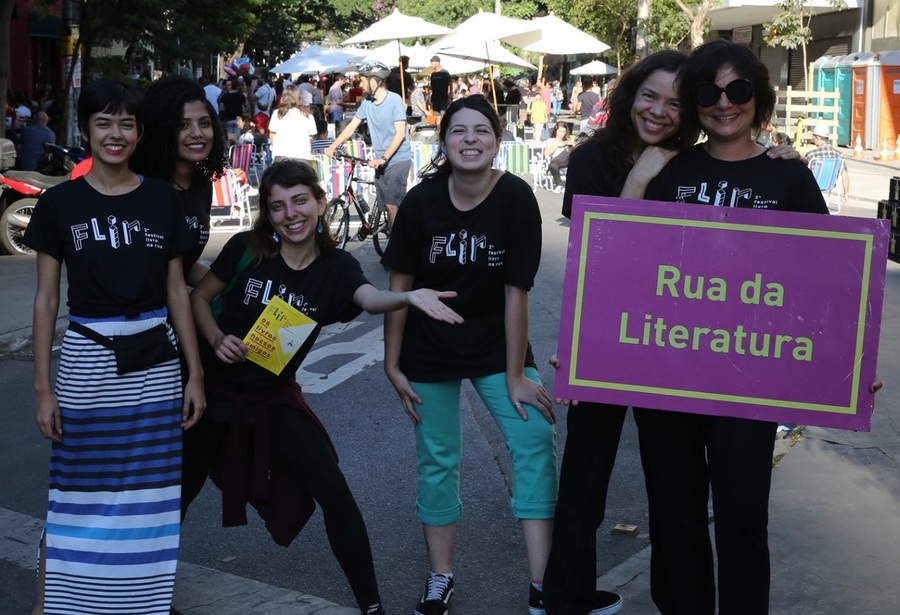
(486, 29)
(316, 59)
(394, 27)
(554, 36)
(486, 51)
(595, 68)
(557, 37)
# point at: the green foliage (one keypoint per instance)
(790, 27)
(612, 21)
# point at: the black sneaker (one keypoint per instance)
(606, 603)
(374, 610)
(535, 601)
(437, 595)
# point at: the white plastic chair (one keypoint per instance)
(231, 201)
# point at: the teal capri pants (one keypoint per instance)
(531, 444)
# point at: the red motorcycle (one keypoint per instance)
(18, 196)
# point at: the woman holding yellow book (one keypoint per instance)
(286, 271)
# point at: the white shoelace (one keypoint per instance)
(436, 586)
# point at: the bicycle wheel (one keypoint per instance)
(381, 232)
(338, 217)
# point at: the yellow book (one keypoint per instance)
(277, 335)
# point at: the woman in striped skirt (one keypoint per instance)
(110, 544)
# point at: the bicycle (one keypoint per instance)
(373, 220)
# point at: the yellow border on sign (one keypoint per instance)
(729, 226)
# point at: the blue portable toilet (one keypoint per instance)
(843, 83)
(823, 81)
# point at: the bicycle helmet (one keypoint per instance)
(374, 69)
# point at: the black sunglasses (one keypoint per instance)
(739, 91)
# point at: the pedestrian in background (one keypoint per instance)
(292, 127)
(31, 144)
(475, 230)
(115, 421)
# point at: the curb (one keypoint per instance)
(20, 340)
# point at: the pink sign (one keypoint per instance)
(732, 312)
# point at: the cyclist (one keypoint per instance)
(386, 118)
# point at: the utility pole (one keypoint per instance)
(640, 39)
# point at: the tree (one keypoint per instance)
(697, 16)
(612, 21)
(790, 28)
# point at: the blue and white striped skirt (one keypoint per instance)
(113, 520)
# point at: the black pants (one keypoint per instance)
(300, 446)
(556, 165)
(683, 456)
(592, 440)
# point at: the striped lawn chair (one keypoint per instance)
(514, 157)
(422, 154)
(243, 156)
(231, 201)
(355, 148)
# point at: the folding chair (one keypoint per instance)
(243, 156)
(422, 154)
(541, 177)
(828, 172)
(231, 201)
(514, 157)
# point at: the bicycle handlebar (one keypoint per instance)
(353, 159)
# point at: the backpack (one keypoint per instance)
(599, 115)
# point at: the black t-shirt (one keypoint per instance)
(588, 99)
(513, 97)
(196, 201)
(116, 248)
(694, 176)
(323, 291)
(590, 173)
(475, 253)
(232, 105)
(392, 83)
(440, 89)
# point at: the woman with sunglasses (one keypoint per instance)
(726, 93)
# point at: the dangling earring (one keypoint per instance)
(276, 237)
(319, 227)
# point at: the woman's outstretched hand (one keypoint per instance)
(430, 302)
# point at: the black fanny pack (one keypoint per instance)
(134, 352)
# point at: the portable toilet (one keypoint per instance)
(864, 102)
(843, 83)
(889, 98)
(824, 81)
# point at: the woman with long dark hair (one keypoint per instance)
(288, 254)
(473, 229)
(292, 127)
(116, 415)
(726, 93)
(184, 145)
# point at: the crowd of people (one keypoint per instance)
(156, 393)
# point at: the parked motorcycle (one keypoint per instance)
(18, 196)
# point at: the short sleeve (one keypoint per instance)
(226, 264)
(350, 277)
(182, 238)
(402, 252)
(588, 173)
(41, 233)
(523, 243)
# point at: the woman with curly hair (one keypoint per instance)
(183, 144)
(292, 127)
